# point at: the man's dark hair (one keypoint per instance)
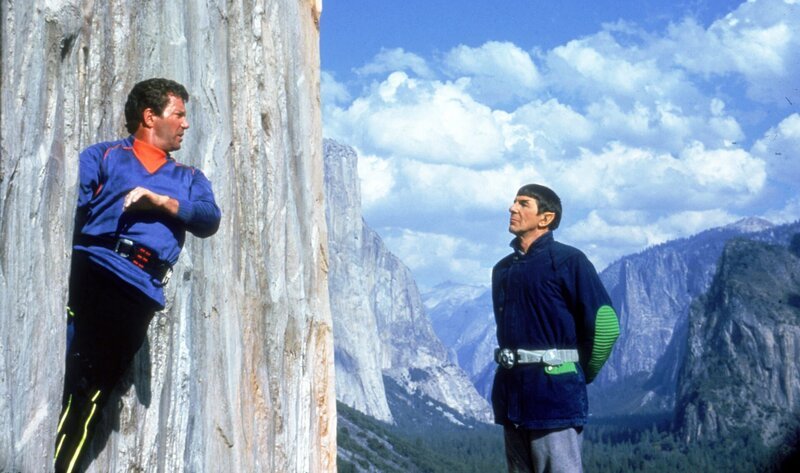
(151, 93)
(546, 201)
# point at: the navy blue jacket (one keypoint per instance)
(549, 297)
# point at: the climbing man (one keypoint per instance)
(135, 204)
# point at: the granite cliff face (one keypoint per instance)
(380, 326)
(238, 371)
(742, 366)
(357, 346)
(653, 291)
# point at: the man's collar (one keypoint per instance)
(542, 240)
(151, 157)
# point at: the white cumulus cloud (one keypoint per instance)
(646, 136)
(605, 236)
(440, 255)
(377, 176)
(780, 149)
(429, 121)
(459, 188)
(498, 72)
(760, 40)
(623, 177)
(599, 66)
(396, 59)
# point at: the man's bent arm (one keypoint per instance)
(596, 320)
(142, 198)
(606, 332)
(200, 212)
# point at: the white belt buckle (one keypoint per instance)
(551, 357)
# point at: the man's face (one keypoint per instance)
(525, 217)
(168, 128)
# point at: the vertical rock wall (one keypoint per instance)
(741, 369)
(238, 371)
(358, 348)
(381, 327)
(653, 291)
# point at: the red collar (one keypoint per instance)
(150, 156)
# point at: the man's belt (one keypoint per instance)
(509, 358)
(141, 256)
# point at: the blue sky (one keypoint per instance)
(652, 120)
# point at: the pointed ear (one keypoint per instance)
(547, 219)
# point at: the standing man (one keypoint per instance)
(135, 204)
(555, 328)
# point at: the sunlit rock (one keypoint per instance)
(237, 375)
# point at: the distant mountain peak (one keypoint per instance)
(452, 292)
(379, 322)
(451, 285)
(751, 224)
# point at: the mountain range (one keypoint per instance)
(652, 292)
(709, 327)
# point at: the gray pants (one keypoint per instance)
(543, 451)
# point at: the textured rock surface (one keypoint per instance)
(358, 348)
(463, 319)
(742, 365)
(238, 371)
(380, 324)
(653, 292)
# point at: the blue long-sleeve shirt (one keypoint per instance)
(108, 171)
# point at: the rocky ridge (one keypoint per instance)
(463, 319)
(741, 369)
(652, 291)
(380, 324)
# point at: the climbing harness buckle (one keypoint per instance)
(123, 247)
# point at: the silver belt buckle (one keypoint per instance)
(552, 358)
(166, 277)
(507, 358)
(127, 246)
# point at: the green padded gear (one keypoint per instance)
(606, 331)
(563, 368)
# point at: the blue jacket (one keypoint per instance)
(549, 297)
(108, 171)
